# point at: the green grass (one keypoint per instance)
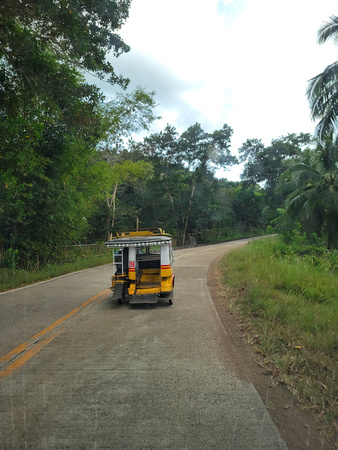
(290, 302)
(13, 278)
(216, 236)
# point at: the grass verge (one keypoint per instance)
(210, 237)
(14, 278)
(288, 308)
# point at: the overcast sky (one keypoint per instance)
(241, 62)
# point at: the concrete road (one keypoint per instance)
(79, 372)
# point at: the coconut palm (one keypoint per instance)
(322, 91)
(313, 183)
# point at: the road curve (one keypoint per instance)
(104, 376)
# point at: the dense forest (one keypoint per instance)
(71, 170)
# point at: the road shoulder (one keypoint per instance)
(297, 427)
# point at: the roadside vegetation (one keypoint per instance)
(73, 258)
(73, 173)
(284, 294)
(70, 259)
(218, 235)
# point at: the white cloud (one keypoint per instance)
(241, 62)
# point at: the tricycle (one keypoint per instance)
(142, 266)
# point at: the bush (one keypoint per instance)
(309, 249)
(10, 259)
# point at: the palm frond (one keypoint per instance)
(304, 175)
(325, 101)
(296, 202)
(329, 30)
(323, 85)
(307, 177)
(326, 77)
(328, 154)
(327, 125)
(286, 188)
(298, 167)
(322, 90)
(315, 221)
(330, 199)
(314, 201)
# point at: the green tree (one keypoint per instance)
(169, 178)
(322, 90)
(264, 165)
(51, 121)
(312, 184)
(42, 189)
(78, 34)
(126, 114)
(204, 152)
(127, 172)
(247, 203)
(183, 190)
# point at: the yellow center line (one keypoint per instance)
(37, 346)
(27, 355)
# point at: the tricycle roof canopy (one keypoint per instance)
(138, 241)
(139, 238)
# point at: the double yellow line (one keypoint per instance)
(31, 347)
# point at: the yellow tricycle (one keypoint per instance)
(142, 266)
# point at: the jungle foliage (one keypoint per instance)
(73, 173)
(52, 121)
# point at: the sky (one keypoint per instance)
(245, 63)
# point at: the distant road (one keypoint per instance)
(81, 372)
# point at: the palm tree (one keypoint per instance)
(313, 183)
(322, 91)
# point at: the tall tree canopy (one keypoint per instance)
(322, 91)
(183, 181)
(51, 120)
(266, 164)
(204, 152)
(76, 33)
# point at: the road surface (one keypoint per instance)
(81, 372)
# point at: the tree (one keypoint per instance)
(44, 168)
(204, 152)
(123, 172)
(51, 121)
(312, 184)
(78, 34)
(247, 203)
(264, 165)
(322, 90)
(162, 150)
(182, 191)
(126, 114)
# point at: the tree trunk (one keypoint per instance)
(189, 210)
(111, 202)
(114, 204)
(174, 213)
